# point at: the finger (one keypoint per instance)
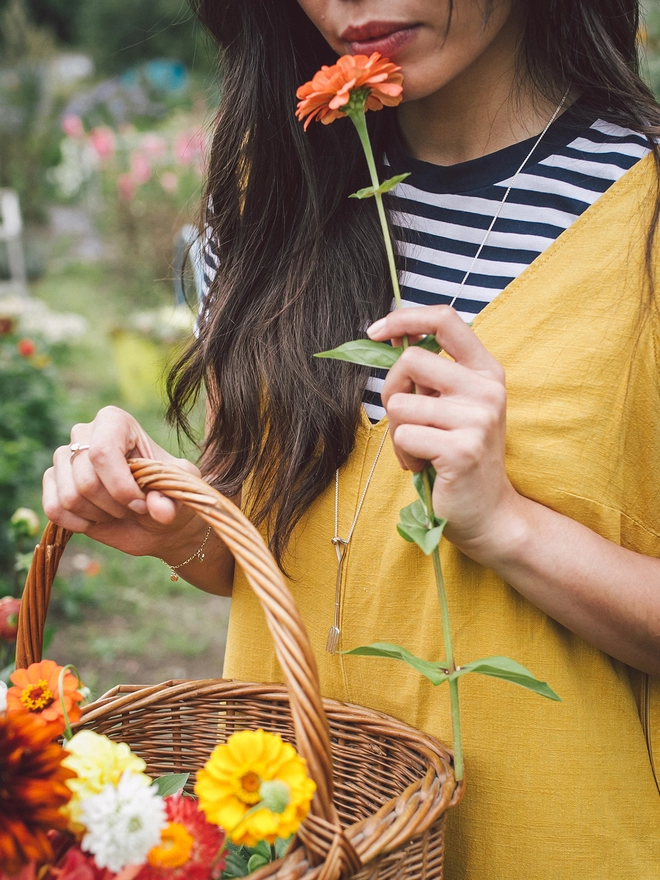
(69, 492)
(434, 412)
(452, 333)
(162, 509)
(115, 437)
(424, 372)
(90, 488)
(55, 511)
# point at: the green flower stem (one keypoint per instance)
(446, 632)
(355, 112)
(359, 121)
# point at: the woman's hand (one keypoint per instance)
(93, 491)
(451, 413)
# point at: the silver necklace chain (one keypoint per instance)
(341, 544)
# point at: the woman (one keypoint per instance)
(532, 116)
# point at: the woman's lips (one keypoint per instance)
(388, 39)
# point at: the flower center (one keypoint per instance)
(249, 788)
(174, 849)
(36, 697)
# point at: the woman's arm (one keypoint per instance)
(452, 414)
(94, 493)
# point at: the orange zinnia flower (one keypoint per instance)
(32, 790)
(330, 90)
(36, 691)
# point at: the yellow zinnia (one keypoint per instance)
(231, 784)
(97, 761)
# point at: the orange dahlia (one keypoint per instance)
(36, 691)
(188, 847)
(324, 96)
(32, 790)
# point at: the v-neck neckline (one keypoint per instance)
(512, 289)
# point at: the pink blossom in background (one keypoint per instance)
(190, 147)
(72, 125)
(153, 145)
(169, 181)
(140, 167)
(126, 186)
(102, 140)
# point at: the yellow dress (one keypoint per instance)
(567, 790)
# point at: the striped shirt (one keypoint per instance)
(441, 214)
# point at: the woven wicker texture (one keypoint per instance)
(383, 789)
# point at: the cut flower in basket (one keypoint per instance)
(256, 787)
(32, 790)
(97, 762)
(188, 847)
(36, 691)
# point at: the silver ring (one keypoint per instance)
(76, 448)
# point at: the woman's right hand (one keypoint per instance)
(93, 491)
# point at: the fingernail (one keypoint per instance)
(138, 506)
(376, 327)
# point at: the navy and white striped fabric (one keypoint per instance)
(442, 213)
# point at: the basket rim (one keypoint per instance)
(438, 757)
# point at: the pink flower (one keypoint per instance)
(140, 167)
(169, 181)
(9, 608)
(190, 147)
(72, 125)
(126, 186)
(153, 145)
(102, 140)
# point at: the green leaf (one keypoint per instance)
(281, 846)
(170, 783)
(257, 861)
(426, 539)
(369, 191)
(509, 670)
(262, 849)
(414, 514)
(435, 672)
(429, 343)
(365, 352)
(236, 864)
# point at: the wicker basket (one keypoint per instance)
(383, 789)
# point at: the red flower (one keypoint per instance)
(323, 97)
(9, 608)
(188, 847)
(26, 347)
(32, 790)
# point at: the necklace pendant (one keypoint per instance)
(333, 640)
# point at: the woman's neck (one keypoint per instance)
(482, 110)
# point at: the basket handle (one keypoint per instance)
(292, 646)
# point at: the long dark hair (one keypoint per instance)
(302, 266)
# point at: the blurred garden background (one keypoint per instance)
(105, 111)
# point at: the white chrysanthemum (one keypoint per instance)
(123, 823)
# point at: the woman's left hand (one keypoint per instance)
(451, 414)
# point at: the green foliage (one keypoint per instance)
(242, 860)
(368, 191)
(29, 130)
(170, 783)
(437, 673)
(368, 353)
(119, 34)
(29, 431)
